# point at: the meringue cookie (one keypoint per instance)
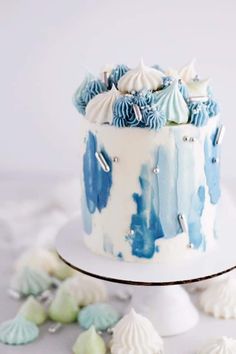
(134, 333)
(223, 345)
(198, 89)
(141, 78)
(38, 258)
(171, 102)
(64, 308)
(188, 72)
(101, 316)
(18, 331)
(33, 311)
(100, 108)
(31, 282)
(219, 299)
(86, 290)
(89, 342)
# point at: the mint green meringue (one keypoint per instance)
(101, 316)
(89, 342)
(18, 331)
(33, 311)
(64, 308)
(31, 281)
(171, 102)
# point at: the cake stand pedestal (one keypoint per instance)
(157, 292)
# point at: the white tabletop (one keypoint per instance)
(51, 191)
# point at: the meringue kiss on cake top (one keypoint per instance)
(150, 163)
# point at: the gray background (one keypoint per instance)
(47, 46)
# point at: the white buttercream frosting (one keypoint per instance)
(86, 290)
(100, 108)
(135, 334)
(220, 299)
(223, 345)
(140, 78)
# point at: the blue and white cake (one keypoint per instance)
(150, 145)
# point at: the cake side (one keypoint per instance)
(133, 210)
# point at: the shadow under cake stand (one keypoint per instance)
(157, 293)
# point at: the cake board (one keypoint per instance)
(157, 291)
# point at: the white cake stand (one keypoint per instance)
(168, 307)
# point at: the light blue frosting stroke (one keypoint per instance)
(97, 183)
(196, 237)
(212, 168)
(145, 223)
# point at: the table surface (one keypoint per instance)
(61, 342)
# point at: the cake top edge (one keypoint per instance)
(146, 97)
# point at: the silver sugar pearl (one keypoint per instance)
(115, 159)
(191, 245)
(185, 138)
(156, 170)
(214, 160)
(192, 139)
(131, 232)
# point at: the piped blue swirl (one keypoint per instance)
(123, 107)
(116, 74)
(198, 113)
(212, 108)
(78, 99)
(92, 89)
(154, 118)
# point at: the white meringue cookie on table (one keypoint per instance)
(219, 299)
(223, 345)
(100, 108)
(38, 258)
(141, 78)
(135, 334)
(86, 290)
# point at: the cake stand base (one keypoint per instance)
(168, 307)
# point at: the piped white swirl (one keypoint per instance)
(141, 78)
(100, 108)
(220, 299)
(135, 334)
(223, 345)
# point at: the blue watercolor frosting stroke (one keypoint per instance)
(212, 168)
(196, 238)
(145, 223)
(97, 183)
